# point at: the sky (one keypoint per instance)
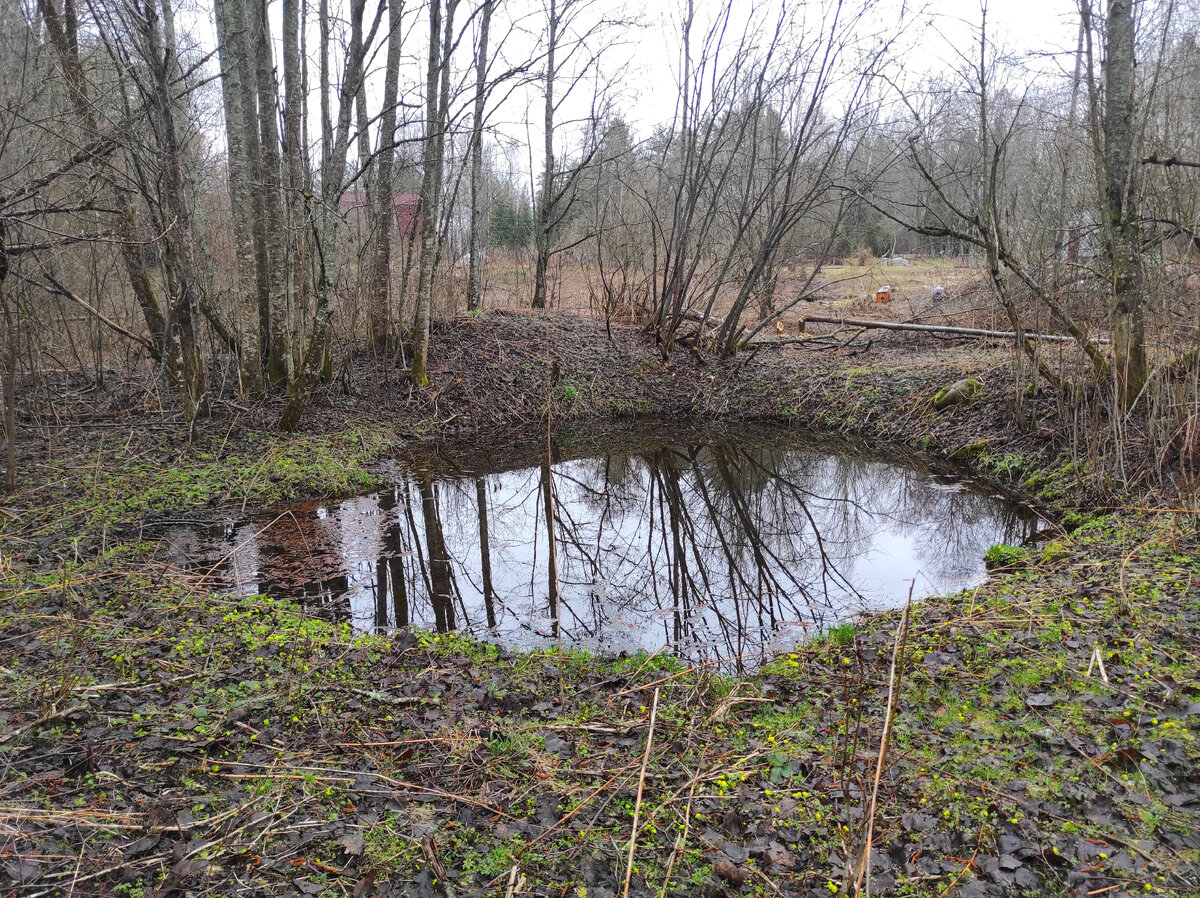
(1042, 32)
(642, 64)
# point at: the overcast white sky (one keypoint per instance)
(936, 31)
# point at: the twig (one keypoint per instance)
(513, 883)
(579, 807)
(1100, 661)
(681, 839)
(50, 717)
(673, 676)
(637, 805)
(862, 884)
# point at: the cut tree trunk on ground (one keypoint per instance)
(924, 328)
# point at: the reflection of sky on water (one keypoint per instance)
(718, 551)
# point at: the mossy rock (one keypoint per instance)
(970, 450)
(957, 393)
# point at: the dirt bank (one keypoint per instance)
(500, 373)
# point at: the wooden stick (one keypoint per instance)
(637, 805)
(681, 839)
(863, 883)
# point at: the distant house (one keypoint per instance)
(353, 205)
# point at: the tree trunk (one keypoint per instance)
(297, 182)
(184, 365)
(546, 200)
(436, 103)
(242, 151)
(383, 208)
(441, 591)
(474, 286)
(1122, 230)
(273, 330)
(318, 358)
(10, 375)
(1060, 232)
(551, 544)
(485, 549)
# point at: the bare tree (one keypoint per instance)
(437, 102)
(238, 83)
(383, 209)
(967, 183)
(754, 156)
(577, 38)
(481, 90)
(1119, 172)
(62, 32)
(335, 142)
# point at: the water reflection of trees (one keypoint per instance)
(722, 552)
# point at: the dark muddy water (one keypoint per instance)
(728, 549)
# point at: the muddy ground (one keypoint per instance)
(158, 739)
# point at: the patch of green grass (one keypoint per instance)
(842, 634)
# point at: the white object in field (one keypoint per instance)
(937, 292)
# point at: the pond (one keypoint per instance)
(726, 547)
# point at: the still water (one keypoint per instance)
(728, 549)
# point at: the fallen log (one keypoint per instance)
(938, 329)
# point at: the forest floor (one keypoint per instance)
(159, 739)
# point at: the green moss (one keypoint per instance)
(1005, 556)
(1055, 550)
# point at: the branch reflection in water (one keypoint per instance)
(720, 550)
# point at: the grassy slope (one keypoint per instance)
(157, 737)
